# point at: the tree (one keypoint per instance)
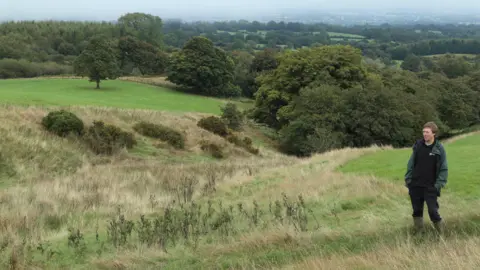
(333, 65)
(243, 77)
(98, 61)
(203, 68)
(142, 55)
(412, 63)
(145, 27)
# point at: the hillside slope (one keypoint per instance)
(125, 93)
(64, 207)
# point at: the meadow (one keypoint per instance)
(151, 207)
(114, 93)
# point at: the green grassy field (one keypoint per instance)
(344, 35)
(116, 93)
(463, 160)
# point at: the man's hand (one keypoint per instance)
(407, 182)
(438, 187)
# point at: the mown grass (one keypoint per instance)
(244, 212)
(115, 93)
(462, 160)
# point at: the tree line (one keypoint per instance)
(58, 43)
(315, 98)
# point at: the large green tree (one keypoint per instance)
(145, 27)
(142, 55)
(333, 65)
(203, 68)
(98, 61)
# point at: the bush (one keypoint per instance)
(246, 143)
(173, 137)
(63, 123)
(214, 125)
(214, 149)
(12, 68)
(108, 139)
(232, 116)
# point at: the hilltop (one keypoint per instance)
(52, 184)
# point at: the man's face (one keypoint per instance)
(428, 135)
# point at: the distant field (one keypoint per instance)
(455, 54)
(116, 93)
(463, 160)
(344, 35)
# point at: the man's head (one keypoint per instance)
(430, 129)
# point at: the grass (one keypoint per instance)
(116, 93)
(251, 213)
(462, 160)
(344, 35)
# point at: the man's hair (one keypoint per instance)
(432, 126)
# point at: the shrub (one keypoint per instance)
(12, 68)
(214, 149)
(173, 137)
(108, 139)
(214, 125)
(246, 143)
(232, 116)
(63, 123)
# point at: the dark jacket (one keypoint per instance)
(442, 166)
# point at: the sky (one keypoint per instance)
(112, 9)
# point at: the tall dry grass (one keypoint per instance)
(57, 183)
(455, 253)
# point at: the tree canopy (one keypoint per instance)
(203, 68)
(98, 61)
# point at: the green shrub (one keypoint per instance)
(12, 68)
(63, 123)
(214, 149)
(173, 137)
(214, 125)
(108, 139)
(246, 143)
(232, 116)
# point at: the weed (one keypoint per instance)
(188, 222)
(183, 186)
(119, 229)
(76, 241)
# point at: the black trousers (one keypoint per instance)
(421, 195)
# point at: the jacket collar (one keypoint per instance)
(436, 146)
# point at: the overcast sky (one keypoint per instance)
(112, 9)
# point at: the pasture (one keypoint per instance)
(113, 93)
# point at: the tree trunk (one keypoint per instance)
(98, 84)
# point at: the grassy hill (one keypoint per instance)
(154, 206)
(462, 158)
(116, 93)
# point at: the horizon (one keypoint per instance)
(188, 10)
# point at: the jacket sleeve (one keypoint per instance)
(443, 172)
(410, 165)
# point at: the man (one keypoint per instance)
(426, 175)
